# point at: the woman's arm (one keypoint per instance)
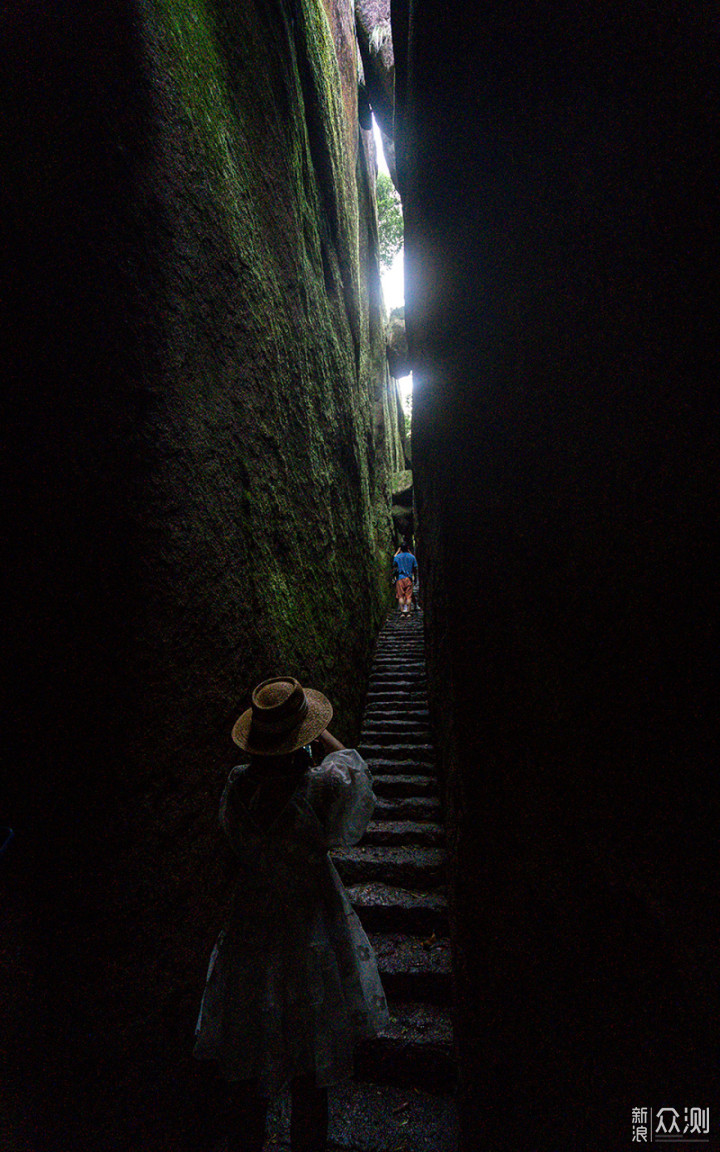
(328, 743)
(332, 744)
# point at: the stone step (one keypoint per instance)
(396, 747)
(395, 731)
(402, 686)
(384, 767)
(404, 865)
(404, 641)
(398, 679)
(389, 675)
(414, 1049)
(398, 663)
(399, 668)
(399, 704)
(371, 727)
(396, 750)
(383, 908)
(412, 727)
(409, 711)
(399, 656)
(404, 832)
(413, 968)
(394, 683)
(418, 703)
(397, 785)
(373, 1117)
(397, 698)
(396, 687)
(390, 720)
(407, 808)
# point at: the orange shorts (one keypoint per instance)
(403, 590)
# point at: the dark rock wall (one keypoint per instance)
(558, 173)
(200, 433)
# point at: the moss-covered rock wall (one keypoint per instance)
(201, 430)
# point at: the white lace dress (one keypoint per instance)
(292, 983)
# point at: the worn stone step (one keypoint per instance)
(377, 711)
(385, 908)
(385, 676)
(413, 967)
(400, 663)
(392, 721)
(395, 732)
(407, 808)
(389, 675)
(402, 638)
(399, 703)
(368, 1116)
(396, 688)
(404, 865)
(404, 832)
(397, 697)
(400, 651)
(397, 785)
(408, 739)
(414, 666)
(371, 727)
(400, 647)
(383, 767)
(414, 1049)
(402, 687)
(412, 727)
(418, 704)
(400, 654)
(396, 750)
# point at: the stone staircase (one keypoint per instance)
(395, 876)
(401, 1098)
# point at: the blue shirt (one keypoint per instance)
(405, 564)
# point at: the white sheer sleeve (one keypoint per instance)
(341, 796)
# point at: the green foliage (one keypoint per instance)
(390, 220)
(407, 412)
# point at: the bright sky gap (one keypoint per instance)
(393, 282)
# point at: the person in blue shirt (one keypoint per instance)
(405, 570)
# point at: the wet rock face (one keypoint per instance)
(397, 346)
(201, 435)
(557, 305)
(374, 37)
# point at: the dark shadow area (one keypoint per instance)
(558, 173)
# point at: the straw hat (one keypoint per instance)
(283, 717)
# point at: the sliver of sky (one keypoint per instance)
(393, 282)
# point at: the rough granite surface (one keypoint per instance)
(201, 433)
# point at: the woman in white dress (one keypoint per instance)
(292, 983)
